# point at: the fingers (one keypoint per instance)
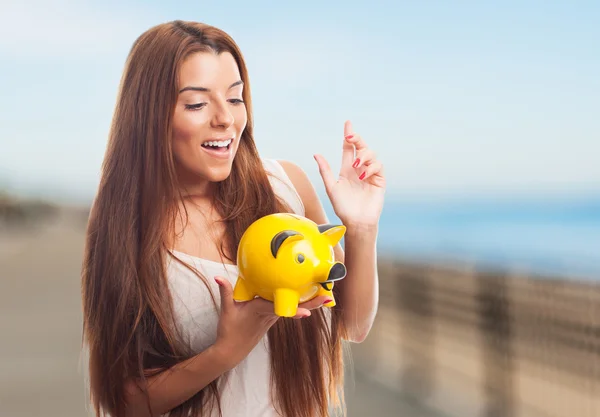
(264, 307)
(348, 128)
(372, 171)
(226, 293)
(316, 302)
(347, 147)
(356, 140)
(364, 157)
(264, 310)
(365, 160)
(352, 142)
(302, 313)
(325, 171)
(261, 306)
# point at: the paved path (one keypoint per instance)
(40, 324)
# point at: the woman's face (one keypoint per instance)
(209, 118)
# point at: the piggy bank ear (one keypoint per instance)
(332, 232)
(281, 237)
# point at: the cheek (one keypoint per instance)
(241, 118)
(187, 125)
(187, 128)
(181, 144)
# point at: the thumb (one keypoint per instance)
(325, 171)
(226, 293)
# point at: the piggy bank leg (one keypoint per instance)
(286, 302)
(241, 292)
(326, 293)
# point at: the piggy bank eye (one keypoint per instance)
(299, 258)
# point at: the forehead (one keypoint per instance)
(207, 69)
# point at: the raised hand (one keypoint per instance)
(357, 194)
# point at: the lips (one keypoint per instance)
(218, 143)
(218, 148)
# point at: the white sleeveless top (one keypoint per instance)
(245, 390)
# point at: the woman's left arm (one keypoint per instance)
(357, 200)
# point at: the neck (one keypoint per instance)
(202, 191)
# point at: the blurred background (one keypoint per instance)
(485, 115)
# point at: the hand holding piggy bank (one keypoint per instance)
(288, 259)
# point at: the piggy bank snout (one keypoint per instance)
(337, 272)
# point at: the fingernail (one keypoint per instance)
(362, 176)
(349, 136)
(355, 165)
(218, 281)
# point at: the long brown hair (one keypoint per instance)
(128, 317)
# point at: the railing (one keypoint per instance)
(472, 343)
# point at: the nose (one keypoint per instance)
(337, 272)
(222, 117)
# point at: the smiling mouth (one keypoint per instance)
(218, 145)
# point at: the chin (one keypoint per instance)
(217, 174)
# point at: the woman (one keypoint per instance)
(181, 181)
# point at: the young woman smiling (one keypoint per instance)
(181, 180)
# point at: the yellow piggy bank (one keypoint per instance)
(288, 259)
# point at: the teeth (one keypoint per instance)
(220, 144)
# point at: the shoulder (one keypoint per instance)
(306, 191)
(283, 186)
(297, 176)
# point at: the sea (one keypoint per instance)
(543, 237)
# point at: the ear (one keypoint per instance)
(332, 232)
(281, 237)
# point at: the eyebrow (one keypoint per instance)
(192, 88)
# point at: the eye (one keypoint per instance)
(197, 106)
(300, 258)
(236, 101)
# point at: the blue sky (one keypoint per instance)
(456, 97)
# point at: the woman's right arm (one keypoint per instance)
(176, 385)
(241, 326)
